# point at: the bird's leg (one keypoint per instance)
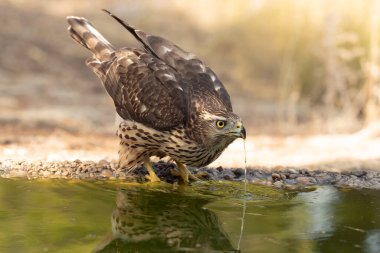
(183, 172)
(152, 177)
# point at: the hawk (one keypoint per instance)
(170, 102)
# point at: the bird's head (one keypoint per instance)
(223, 126)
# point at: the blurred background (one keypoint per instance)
(292, 67)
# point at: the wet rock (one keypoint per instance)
(278, 184)
(220, 168)
(290, 181)
(359, 173)
(46, 173)
(276, 177)
(6, 165)
(106, 173)
(227, 177)
(324, 178)
(238, 172)
(258, 174)
(306, 180)
(103, 162)
(346, 172)
(209, 170)
(53, 169)
(370, 175)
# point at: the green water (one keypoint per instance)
(77, 216)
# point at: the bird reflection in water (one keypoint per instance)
(159, 221)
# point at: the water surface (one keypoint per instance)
(77, 216)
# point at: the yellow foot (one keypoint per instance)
(152, 177)
(200, 175)
(178, 173)
(185, 174)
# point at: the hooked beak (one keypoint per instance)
(243, 134)
(241, 130)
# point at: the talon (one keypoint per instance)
(175, 172)
(199, 175)
(153, 178)
(180, 173)
(184, 173)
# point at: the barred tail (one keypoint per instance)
(82, 31)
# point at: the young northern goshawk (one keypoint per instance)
(171, 103)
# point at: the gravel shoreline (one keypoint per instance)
(279, 177)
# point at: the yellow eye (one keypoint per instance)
(220, 124)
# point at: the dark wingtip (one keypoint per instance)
(132, 30)
(122, 22)
(108, 12)
(115, 17)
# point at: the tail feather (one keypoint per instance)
(82, 31)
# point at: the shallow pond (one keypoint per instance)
(77, 216)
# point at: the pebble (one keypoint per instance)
(276, 176)
(85, 175)
(6, 165)
(306, 180)
(102, 163)
(46, 173)
(227, 177)
(106, 173)
(370, 175)
(278, 184)
(53, 169)
(324, 178)
(359, 173)
(238, 172)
